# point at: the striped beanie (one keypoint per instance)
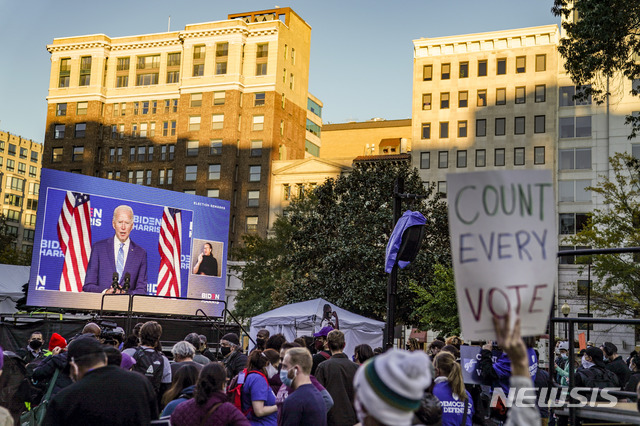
(390, 386)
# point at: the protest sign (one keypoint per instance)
(504, 245)
(470, 360)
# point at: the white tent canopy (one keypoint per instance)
(12, 278)
(304, 318)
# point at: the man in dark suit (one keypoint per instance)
(120, 255)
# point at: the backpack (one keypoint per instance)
(151, 365)
(234, 391)
(599, 378)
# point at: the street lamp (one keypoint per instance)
(565, 309)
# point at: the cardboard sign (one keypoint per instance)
(470, 360)
(504, 245)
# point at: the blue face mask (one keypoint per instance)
(284, 378)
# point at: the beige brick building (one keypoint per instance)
(20, 163)
(374, 137)
(204, 110)
(485, 101)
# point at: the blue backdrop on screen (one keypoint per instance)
(202, 218)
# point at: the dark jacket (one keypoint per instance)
(235, 363)
(189, 413)
(336, 375)
(105, 396)
(620, 369)
(318, 358)
(45, 371)
(632, 383)
(185, 395)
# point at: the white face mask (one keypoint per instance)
(586, 364)
(360, 413)
(271, 371)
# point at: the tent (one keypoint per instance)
(304, 318)
(13, 277)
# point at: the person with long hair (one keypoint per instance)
(362, 353)
(182, 387)
(206, 264)
(456, 403)
(258, 399)
(209, 403)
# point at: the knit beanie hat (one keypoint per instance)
(390, 386)
(57, 340)
(231, 338)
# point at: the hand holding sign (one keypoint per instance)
(504, 246)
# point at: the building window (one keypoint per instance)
(425, 160)
(58, 132)
(426, 130)
(85, 71)
(218, 98)
(214, 172)
(215, 147)
(443, 159)
(259, 99)
(482, 98)
(574, 159)
(445, 73)
(427, 72)
(196, 100)
(194, 123)
(481, 127)
(444, 129)
(482, 68)
(147, 79)
(198, 70)
(541, 63)
(521, 95)
(252, 224)
(566, 96)
(574, 190)
(81, 108)
(80, 130)
(442, 188)
(254, 173)
(199, 52)
(78, 153)
(261, 69)
(253, 198)
(461, 159)
(144, 129)
(123, 81)
(217, 121)
(501, 96)
(539, 124)
(500, 126)
(464, 69)
(22, 168)
(463, 99)
(192, 148)
(426, 101)
(61, 109)
(521, 64)
(132, 153)
(256, 149)
(65, 72)
(213, 193)
(519, 126)
(12, 149)
(498, 157)
(33, 171)
(258, 123)
(518, 156)
(541, 93)
(11, 165)
(572, 223)
(190, 173)
(444, 100)
(538, 155)
(481, 158)
(262, 50)
(32, 204)
(462, 129)
(578, 127)
(501, 66)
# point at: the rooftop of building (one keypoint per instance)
(383, 157)
(371, 124)
(490, 35)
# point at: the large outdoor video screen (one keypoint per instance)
(97, 237)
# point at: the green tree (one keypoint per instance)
(335, 247)
(8, 254)
(617, 287)
(600, 45)
(437, 306)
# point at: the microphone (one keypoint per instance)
(127, 282)
(114, 282)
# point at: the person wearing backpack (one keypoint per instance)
(149, 362)
(592, 373)
(258, 402)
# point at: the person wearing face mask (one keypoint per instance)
(102, 394)
(261, 339)
(305, 406)
(322, 347)
(615, 363)
(562, 371)
(258, 400)
(273, 369)
(33, 350)
(592, 373)
(233, 358)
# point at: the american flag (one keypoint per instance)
(169, 245)
(74, 235)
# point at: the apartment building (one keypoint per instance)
(20, 164)
(374, 137)
(484, 101)
(204, 110)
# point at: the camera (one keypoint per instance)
(110, 332)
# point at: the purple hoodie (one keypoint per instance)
(189, 413)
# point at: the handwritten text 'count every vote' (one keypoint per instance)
(519, 199)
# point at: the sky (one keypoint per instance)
(361, 51)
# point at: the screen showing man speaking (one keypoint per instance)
(97, 236)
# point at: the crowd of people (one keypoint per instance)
(309, 381)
